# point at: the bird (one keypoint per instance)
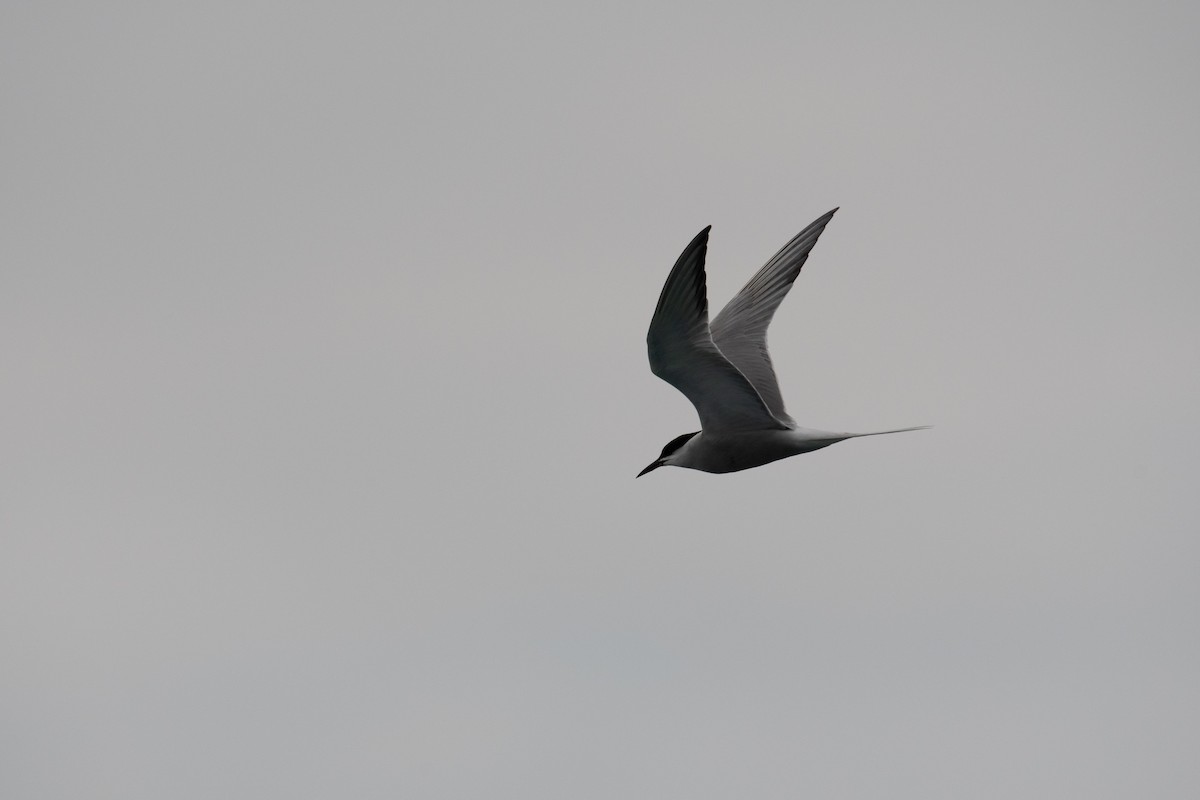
(723, 367)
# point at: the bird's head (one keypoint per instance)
(668, 452)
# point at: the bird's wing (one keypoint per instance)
(740, 330)
(682, 352)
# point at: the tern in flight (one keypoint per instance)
(724, 367)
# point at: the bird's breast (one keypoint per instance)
(737, 451)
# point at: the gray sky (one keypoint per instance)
(324, 376)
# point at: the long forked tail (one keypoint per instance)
(897, 430)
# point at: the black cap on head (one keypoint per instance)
(676, 443)
(672, 446)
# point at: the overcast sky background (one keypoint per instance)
(324, 385)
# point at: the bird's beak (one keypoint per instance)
(651, 468)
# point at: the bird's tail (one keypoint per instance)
(897, 430)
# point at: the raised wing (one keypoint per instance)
(682, 352)
(740, 330)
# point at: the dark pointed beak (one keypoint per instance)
(651, 468)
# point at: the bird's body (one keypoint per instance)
(725, 369)
(731, 452)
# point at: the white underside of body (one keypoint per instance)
(731, 452)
